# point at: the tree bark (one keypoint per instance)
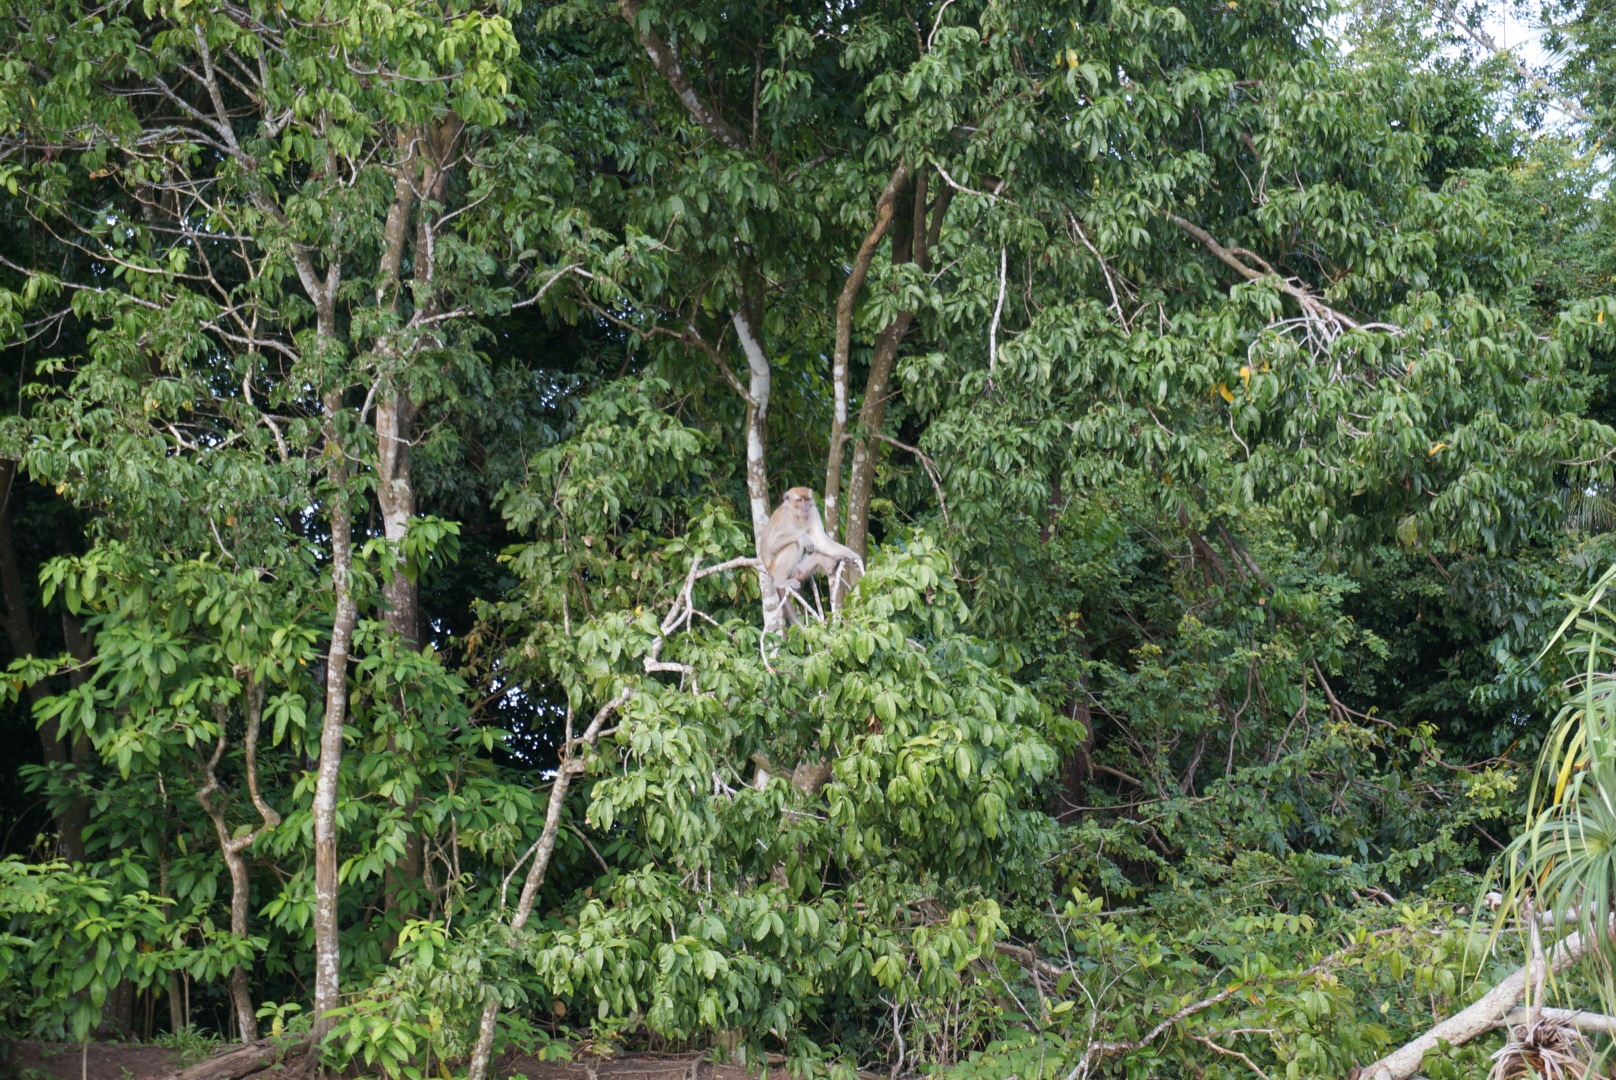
(345, 613)
(913, 243)
(243, 1061)
(232, 846)
(395, 413)
(758, 390)
(872, 413)
(1585, 1022)
(395, 432)
(844, 344)
(666, 61)
(395, 492)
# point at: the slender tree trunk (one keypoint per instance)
(844, 344)
(914, 238)
(872, 413)
(758, 389)
(176, 1019)
(76, 818)
(573, 759)
(232, 845)
(240, 992)
(345, 612)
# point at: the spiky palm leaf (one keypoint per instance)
(1564, 862)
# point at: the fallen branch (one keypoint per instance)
(1479, 1018)
(1586, 1022)
(243, 1061)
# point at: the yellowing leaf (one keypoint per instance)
(1245, 375)
(1437, 449)
(1224, 392)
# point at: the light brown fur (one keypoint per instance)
(794, 545)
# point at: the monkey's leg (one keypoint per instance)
(809, 565)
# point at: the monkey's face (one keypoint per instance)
(801, 502)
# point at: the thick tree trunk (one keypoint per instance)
(395, 493)
(426, 170)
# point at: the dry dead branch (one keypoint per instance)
(1480, 1017)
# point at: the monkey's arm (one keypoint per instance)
(824, 562)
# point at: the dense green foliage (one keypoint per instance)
(1222, 415)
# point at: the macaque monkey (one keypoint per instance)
(795, 547)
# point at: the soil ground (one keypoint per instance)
(133, 1061)
(98, 1061)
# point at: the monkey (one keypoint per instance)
(795, 547)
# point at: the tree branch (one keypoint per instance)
(1311, 304)
(666, 61)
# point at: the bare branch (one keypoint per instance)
(573, 761)
(998, 310)
(1481, 37)
(1311, 304)
(1110, 283)
(926, 463)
